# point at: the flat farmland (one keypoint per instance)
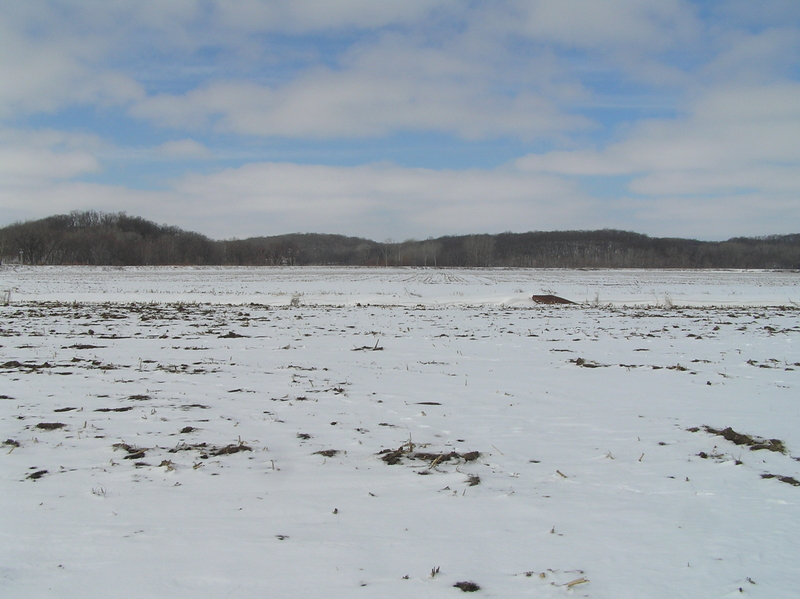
(399, 432)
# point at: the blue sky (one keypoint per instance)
(397, 120)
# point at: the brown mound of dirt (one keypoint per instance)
(550, 299)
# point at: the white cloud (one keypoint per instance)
(38, 158)
(21, 166)
(382, 201)
(29, 202)
(183, 149)
(746, 58)
(733, 163)
(394, 84)
(316, 15)
(224, 73)
(727, 129)
(714, 217)
(375, 201)
(42, 72)
(379, 200)
(608, 25)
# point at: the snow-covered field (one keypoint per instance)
(399, 286)
(380, 433)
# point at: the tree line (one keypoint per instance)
(103, 239)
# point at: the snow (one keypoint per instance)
(587, 474)
(399, 286)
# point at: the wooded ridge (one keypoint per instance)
(104, 239)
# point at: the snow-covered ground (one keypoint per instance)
(399, 286)
(189, 432)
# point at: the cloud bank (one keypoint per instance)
(427, 117)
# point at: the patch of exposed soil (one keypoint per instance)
(50, 426)
(36, 475)
(85, 346)
(467, 585)
(550, 299)
(134, 453)
(753, 442)
(583, 363)
(394, 456)
(229, 449)
(328, 453)
(784, 479)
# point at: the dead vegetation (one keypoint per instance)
(753, 442)
(375, 347)
(467, 586)
(328, 453)
(230, 449)
(207, 450)
(134, 453)
(394, 457)
(583, 363)
(784, 479)
(426, 460)
(50, 426)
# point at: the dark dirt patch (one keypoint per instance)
(202, 447)
(232, 335)
(139, 397)
(583, 363)
(27, 365)
(50, 426)
(434, 457)
(85, 346)
(11, 442)
(229, 449)
(304, 436)
(550, 300)
(187, 429)
(190, 406)
(394, 456)
(375, 347)
(134, 453)
(123, 409)
(467, 585)
(65, 409)
(428, 403)
(328, 453)
(473, 480)
(784, 479)
(754, 443)
(36, 475)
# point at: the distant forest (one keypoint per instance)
(102, 239)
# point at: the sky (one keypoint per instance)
(405, 120)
